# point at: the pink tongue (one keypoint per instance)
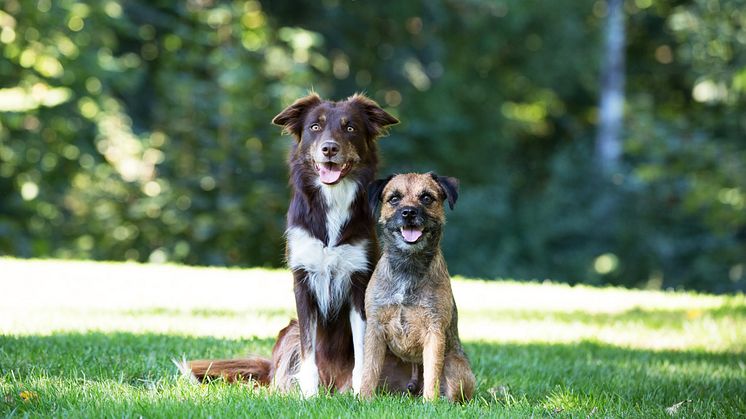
(329, 173)
(410, 234)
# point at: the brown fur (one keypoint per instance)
(253, 369)
(409, 302)
(353, 124)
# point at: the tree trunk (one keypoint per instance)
(611, 112)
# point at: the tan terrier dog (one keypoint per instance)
(409, 304)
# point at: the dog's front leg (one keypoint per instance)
(358, 340)
(357, 324)
(308, 373)
(375, 355)
(432, 362)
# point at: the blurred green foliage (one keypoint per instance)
(140, 129)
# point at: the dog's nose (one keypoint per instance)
(330, 149)
(408, 212)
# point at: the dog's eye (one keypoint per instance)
(350, 128)
(394, 200)
(315, 127)
(426, 199)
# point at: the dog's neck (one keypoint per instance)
(413, 264)
(324, 210)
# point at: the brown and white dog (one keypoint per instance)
(331, 249)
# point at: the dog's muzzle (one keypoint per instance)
(412, 227)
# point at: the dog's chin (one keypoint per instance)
(331, 173)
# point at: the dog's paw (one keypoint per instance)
(366, 394)
(309, 392)
(308, 379)
(357, 380)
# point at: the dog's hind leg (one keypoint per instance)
(458, 380)
(286, 358)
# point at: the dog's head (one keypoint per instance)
(333, 138)
(413, 208)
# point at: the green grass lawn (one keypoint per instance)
(96, 339)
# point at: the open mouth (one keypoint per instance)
(331, 173)
(411, 234)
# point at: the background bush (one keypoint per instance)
(140, 129)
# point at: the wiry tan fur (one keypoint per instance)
(411, 310)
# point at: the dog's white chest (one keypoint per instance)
(329, 268)
(339, 199)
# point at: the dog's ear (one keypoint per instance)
(292, 117)
(375, 190)
(376, 118)
(449, 185)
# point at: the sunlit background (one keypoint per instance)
(83, 297)
(140, 130)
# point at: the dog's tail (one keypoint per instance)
(279, 372)
(256, 369)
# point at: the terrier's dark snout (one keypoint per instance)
(330, 149)
(408, 213)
